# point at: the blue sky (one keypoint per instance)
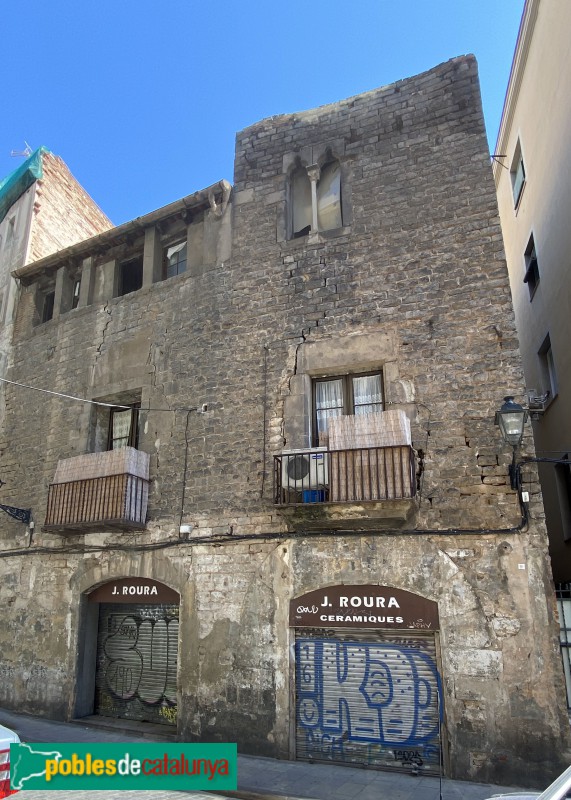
(143, 99)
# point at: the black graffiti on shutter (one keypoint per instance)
(142, 656)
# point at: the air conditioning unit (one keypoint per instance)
(305, 469)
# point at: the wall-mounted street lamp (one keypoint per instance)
(511, 418)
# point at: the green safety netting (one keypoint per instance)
(12, 187)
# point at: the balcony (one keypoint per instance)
(99, 490)
(355, 487)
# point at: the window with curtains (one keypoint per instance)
(341, 395)
(123, 427)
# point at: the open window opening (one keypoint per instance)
(130, 275)
(48, 306)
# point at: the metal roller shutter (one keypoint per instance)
(137, 647)
(368, 697)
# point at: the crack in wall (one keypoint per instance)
(107, 311)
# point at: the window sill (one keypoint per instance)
(316, 238)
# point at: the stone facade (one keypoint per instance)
(222, 359)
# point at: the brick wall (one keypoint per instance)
(63, 211)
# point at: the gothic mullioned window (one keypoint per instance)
(316, 198)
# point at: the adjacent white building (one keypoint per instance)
(532, 170)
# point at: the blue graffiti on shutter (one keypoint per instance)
(366, 692)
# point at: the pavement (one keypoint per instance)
(259, 778)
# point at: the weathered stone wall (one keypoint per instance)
(417, 268)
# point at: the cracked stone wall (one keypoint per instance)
(414, 283)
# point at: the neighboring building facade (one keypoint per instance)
(42, 210)
(231, 538)
(534, 198)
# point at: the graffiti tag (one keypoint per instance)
(367, 696)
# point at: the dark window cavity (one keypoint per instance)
(130, 275)
(531, 267)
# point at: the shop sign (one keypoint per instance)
(363, 607)
(134, 590)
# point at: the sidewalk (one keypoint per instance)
(260, 777)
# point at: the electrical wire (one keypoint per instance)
(91, 402)
(60, 394)
(217, 541)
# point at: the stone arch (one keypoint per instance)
(84, 616)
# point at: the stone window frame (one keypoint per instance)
(313, 159)
(337, 355)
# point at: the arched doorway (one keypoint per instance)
(134, 645)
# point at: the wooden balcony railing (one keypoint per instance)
(111, 500)
(369, 474)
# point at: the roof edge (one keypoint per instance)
(201, 199)
(521, 52)
(466, 57)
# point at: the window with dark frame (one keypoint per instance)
(130, 276)
(517, 174)
(344, 395)
(174, 262)
(123, 427)
(531, 267)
